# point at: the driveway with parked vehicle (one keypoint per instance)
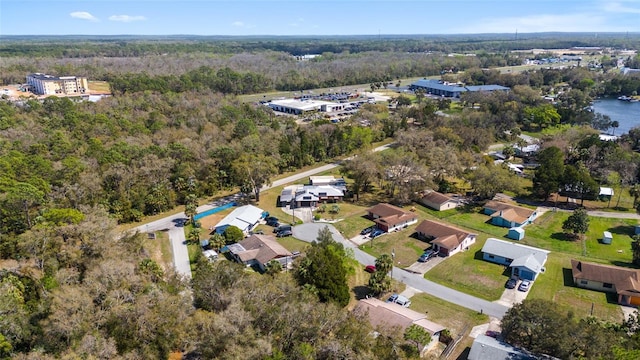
(309, 232)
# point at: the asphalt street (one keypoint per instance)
(309, 232)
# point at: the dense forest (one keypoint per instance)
(175, 128)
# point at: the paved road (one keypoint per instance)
(180, 252)
(308, 232)
(176, 233)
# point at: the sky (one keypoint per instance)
(309, 17)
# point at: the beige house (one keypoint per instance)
(446, 240)
(390, 315)
(258, 250)
(438, 201)
(389, 218)
(624, 282)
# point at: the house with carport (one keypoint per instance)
(526, 262)
(509, 215)
(244, 217)
(438, 201)
(258, 250)
(622, 281)
(389, 218)
(446, 240)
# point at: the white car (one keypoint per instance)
(524, 285)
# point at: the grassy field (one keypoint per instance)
(467, 272)
(102, 87)
(556, 284)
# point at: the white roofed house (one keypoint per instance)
(244, 217)
(526, 262)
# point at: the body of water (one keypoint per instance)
(624, 112)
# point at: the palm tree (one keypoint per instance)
(191, 207)
(217, 241)
(614, 125)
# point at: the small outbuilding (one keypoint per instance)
(605, 193)
(607, 237)
(516, 233)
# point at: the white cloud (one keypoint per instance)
(241, 24)
(543, 23)
(127, 18)
(83, 15)
(617, 7)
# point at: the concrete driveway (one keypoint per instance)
(511, 297)
(422, 267)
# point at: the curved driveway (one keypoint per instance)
(309, 232)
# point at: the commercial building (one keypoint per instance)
(43, 84)
(440, 88)
(299, 107)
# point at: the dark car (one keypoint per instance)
(428, 254)
(376, 232)
(284, 233)
(370, 268)
(511, 283)
(272, 221)
(367, 230)
(282, 228)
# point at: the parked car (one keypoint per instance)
(272, 221)
(511, 283)
(428, 254)
(524, 285)
(281, 228)
(367, 230)
(400, 300)
(376, 232)
(370, 268)
(491, 333)
(284, 233)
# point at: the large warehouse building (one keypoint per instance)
(299, 107)
(43, 84)
(439, 88)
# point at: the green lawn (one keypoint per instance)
(406, 248)
(546, 233)
(556, 284)
(292, 244)
(452, 316)
(467, 272)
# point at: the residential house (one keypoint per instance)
(310, 195)
(508, 215)
(624, 282)
(487, 348)
(389, 218)
(446, 240)
(244, 217)
(258, 250)
(390, 315)
(526, 262)
(438, 201)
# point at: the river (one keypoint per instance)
(624, 112)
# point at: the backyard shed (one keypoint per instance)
(516, 233)
(606, 237)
